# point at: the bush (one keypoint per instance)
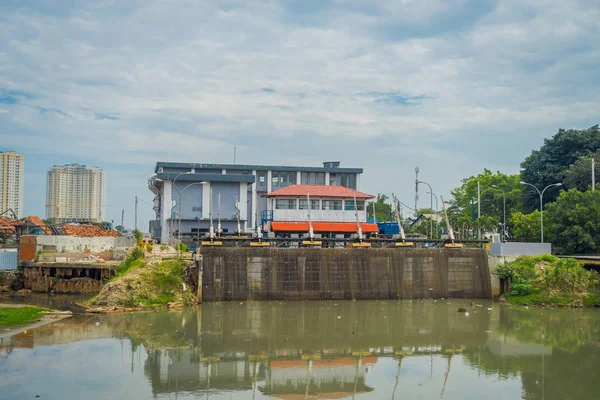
(164, 247)
(181, 247)
(136, 253)
(149, 247)
(138, 237)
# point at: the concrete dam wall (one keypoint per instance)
(352, 274)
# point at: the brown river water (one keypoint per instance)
(309, 350)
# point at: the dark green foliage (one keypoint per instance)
(383, 210)
(526, 227)
(549, 164)
(137, 253)
(574, 222)
(579, 175)
(460, 209)
(551, 280)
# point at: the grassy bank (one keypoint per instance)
(138, 283)
(10, 316)
(550, 281)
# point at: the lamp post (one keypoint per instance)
(541, 204)
(175, 179)
(179, 212)
(431, 192)
(436, 213)
(503, 212)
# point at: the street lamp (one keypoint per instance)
(436, 214)
(179, 212)
(503, 212)
(541, 204)
(176, 176)
(430, 191)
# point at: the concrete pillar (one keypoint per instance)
(327, 178)
(206, 200)
(357, 181)
(224, 171)
(269, 177)
(200, 267)
(244, 203)
(165, 212)
(254, 199)
(298, 178)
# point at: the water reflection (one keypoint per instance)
(321, 350)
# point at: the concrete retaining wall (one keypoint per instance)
(303, 274)
(75, 244)
(520, 249)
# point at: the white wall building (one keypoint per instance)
(332, 209)
(76, 193)
(11, 182)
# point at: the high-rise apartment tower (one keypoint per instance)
(76, 193)
(11, 183)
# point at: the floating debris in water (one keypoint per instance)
(339, 317)
(97, 324)
(489, 308)
(467, 314)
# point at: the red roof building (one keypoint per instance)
(333, 209)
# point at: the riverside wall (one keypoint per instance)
(228, 274)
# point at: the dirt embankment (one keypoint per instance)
(147, 285)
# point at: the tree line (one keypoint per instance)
(571, 210)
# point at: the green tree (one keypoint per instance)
(383, 209)
(526, 227)
(460, 210)
(574, 222)
(579, 175)
(548, 165)
(137, 234)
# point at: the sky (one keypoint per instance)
(450, 86)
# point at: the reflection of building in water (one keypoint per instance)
(336, 378)
(184, 370)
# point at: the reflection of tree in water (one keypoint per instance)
(555, 352)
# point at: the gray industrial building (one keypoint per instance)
(183, 193)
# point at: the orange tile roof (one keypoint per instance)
(319, 191)
(88, 231)
(323, 227)
(7, 224)
(38, 221)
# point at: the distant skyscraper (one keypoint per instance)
(11, 182)
(76, 193)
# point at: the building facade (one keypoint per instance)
(183, 193)
(12, 181)
(76, 193)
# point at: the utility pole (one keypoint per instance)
(478, 211)
(136, 207)
(593, 174)
(416, 190)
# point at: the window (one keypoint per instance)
(314, 204)
(349, 205)
(262, 179)
(332, 205)
(313, 178)
(285, 204)
(360, 204)
(332, 180)
(303, 204)
(282, 179)
(348, 180)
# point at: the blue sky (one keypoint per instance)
(452, 86)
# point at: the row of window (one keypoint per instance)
(281, 179)
(302, 204)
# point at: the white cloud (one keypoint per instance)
(137, 82)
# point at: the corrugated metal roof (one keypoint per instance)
(319, 191)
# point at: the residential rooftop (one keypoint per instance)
(319, 191)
